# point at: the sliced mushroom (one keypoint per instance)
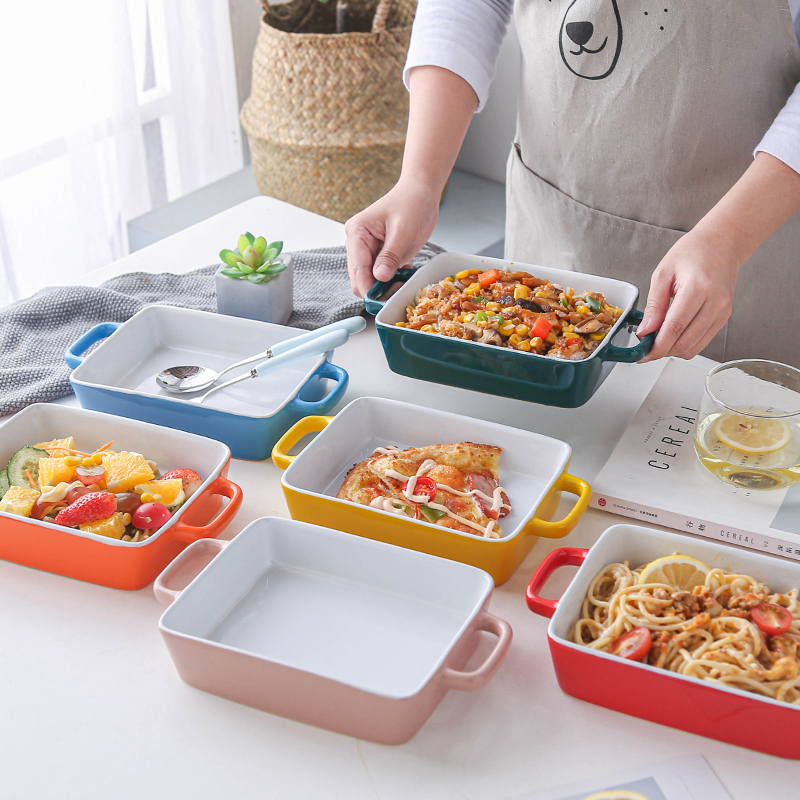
(491, 337)
(472, 330)
(589, 326)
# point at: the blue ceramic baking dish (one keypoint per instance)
(118, 376)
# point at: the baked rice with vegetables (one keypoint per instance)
(514, 310)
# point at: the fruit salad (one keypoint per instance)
(119, 494)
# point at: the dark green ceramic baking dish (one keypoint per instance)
(499, 370)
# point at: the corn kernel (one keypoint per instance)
(507, 329)
(583, 309)
(515, 338)
(88, 462)
(400, 324)
(474, 271)
(521, 292)
(97, 458)
(467, 317)
(572, 335)
(536, 342)
(73, 461)
(525, 345)
(126, 519)
(521, 329)
(541, 294)
(551, 337)
(473, 289)
(495, 307)
(427, 328)
(147, 497)
(598, 336)
(462, 274)
(568, 328)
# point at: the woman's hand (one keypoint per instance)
(691, 295)
(699, 272)
(389, 233)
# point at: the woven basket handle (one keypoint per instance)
(381, 13)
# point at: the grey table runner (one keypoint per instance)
(35, 332)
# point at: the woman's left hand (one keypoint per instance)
(691, 295)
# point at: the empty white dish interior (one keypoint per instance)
(159, 337)
(170, 449)
(617, 293)
(367, 614)
(529, 463)
(638, 546)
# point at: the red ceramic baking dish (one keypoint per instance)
(690, 704)
(101, 559)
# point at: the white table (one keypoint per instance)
(91, 705)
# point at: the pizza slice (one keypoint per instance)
(451, 485)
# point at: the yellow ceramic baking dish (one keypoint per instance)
(532, 471)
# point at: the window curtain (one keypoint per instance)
(110, 108)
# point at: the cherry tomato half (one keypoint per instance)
(425, 487)
(635, 644)
(772, 618)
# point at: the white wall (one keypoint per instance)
(487, 143)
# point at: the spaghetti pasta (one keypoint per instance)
(707, 633)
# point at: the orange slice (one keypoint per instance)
(125, 470)
(167, 492)
(58, 448)
(53, 471)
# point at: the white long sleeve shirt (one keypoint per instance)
(465, 38)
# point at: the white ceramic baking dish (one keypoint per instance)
(118, 376)
(329, 629)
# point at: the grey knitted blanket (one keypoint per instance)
(35, 332)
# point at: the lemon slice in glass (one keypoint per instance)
(752, 434)
(681, 572)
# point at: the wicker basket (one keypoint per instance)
(326, 119)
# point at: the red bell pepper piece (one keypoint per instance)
(541, 328)
(489, 277)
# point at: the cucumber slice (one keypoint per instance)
(4, 484)
(26, 458)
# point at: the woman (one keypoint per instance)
(636, 129)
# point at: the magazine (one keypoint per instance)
(654, 475)
(688, 778)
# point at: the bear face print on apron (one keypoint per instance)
(635, 117)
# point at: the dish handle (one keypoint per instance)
(326, 370)
(191, 533)
(556, 530)
(74, 354)
(477, 678)
(629, 355)
(372, 301)
(560, 557)
(301, 428)
(186, 563)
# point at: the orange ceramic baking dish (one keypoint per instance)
(101, 559)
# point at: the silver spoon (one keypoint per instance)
(194, 379)
(314, 347)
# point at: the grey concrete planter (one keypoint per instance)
(269, 302)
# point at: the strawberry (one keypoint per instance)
(88, 508)
(191, 480)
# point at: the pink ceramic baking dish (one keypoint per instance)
(703, 707)
(346, 633)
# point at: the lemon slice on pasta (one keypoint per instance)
(680, 572)
(752, 435)
(617, 794)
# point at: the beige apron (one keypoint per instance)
(635, 117)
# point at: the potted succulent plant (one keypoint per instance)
(255, 281)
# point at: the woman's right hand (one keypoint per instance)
(389, 233)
